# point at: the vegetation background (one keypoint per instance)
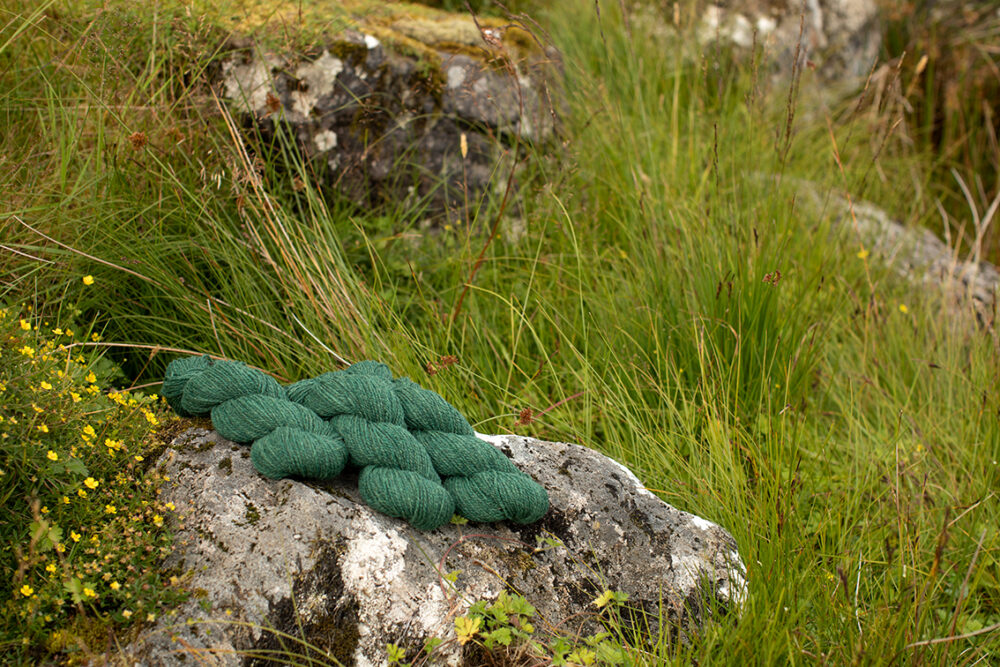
(669, 300)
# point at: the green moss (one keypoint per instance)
(252, 514)
(519, 561)
(226, 465)
(331, 630)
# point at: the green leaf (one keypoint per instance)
(76, 467)
(431, 644)
(559, 648)
(610, 655)
(519, 605)
(499, 636)
(582, 656)
(594, 640)
(42, 534)
(394, 653)
(55, 535)
(75, 588)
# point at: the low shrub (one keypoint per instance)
(82, 534)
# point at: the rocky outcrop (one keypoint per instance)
(421, 108)
(270, 561)
(840, 38)
(916, 255)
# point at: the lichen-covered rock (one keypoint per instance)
(402, 106)
(916, 254)
(313, 562)
(841, 38)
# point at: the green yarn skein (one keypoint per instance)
(247, 406)
(486, 486)
(364, 398)
(397, 476)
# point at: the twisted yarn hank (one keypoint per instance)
(484, 484)
(403, 437)
(397, 476)
(247, 406)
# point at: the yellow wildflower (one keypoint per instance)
(88, 280)
(52, 456)
(81, 493)
(150, 617)
(157, 520)
(151, 418)
(91, 483)
(75, 536)
(43, 428)
(65, 500)
(88, 433)
(57, 331)
(90, 378)
(127, 614)
(138, 458)
(27, 351)
(60, 547)
(110, 509)
(89, 592)
(45, 385)
(170, 506)
(75, 396)
(95, 337)
(26, 325)
(903, 309)
(27, 591)
(115, 585)
(51, 567)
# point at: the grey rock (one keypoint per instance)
(917, 255)
(313, 561)
(841, 38)
(389, 124)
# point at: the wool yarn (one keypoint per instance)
(419, 423)
(397, 476)
(486, 486)
(247, 406)
(403, 437)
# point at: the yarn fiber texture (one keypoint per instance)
(404, 438)
(247, 406)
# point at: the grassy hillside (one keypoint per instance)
(663, 295)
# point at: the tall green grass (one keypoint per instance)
(665, 296)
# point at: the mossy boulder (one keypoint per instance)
(395, 101)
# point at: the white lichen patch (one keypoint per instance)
(373, 571)
(248, 84)
(702, 524)
(456, 76)
(318, 79)
(325, 140)
(371, 42)
(734, 588)
(687, 570)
